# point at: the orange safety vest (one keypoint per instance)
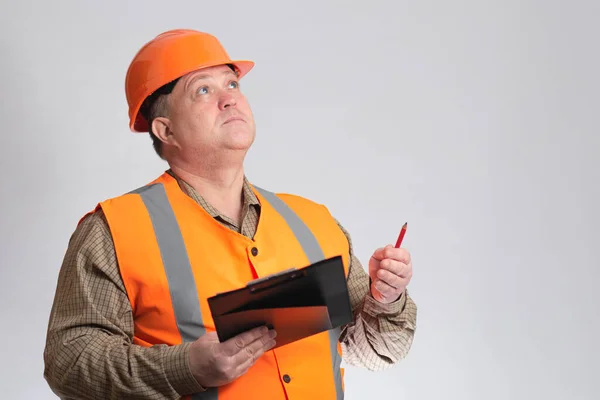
(173, 255)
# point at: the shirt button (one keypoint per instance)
(254, 251)
(286, 378)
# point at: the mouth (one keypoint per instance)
(234, 118)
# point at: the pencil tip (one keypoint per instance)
(405, 225)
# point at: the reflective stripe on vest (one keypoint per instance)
(181, 280)
(177, 268)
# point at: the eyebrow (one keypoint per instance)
(204, 76)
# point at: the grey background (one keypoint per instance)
(475, 121)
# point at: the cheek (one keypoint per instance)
(198, 119)
(191, 128)
(245, 108)
(242, 104)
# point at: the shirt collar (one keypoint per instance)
(249, 197)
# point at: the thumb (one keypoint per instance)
(210, 337)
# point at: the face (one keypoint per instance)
(208, 116)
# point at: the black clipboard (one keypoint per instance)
(297, 303)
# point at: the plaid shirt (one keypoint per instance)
(89, 351)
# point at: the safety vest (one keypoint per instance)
(173, 255)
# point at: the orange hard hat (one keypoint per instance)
(167, 57)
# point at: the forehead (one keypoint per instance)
(209, 72)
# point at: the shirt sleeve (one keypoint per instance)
(380, 334)
(89, 352)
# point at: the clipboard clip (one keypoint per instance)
(265, 282)
(265, 278)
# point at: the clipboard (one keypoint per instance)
(297, 303)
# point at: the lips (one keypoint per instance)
(234, 118)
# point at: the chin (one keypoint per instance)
(240, 140)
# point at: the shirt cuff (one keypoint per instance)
(177, 369)
(375, 308)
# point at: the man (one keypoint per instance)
(130, 317)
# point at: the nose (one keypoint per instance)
(227, 100)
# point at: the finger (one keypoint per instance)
(395, 267)
(391, 252)
(378, 254)
(253, 351)
(398, 254)
(390, 278)
(234, 345)
(385, 290)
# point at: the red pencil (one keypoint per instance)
(401, 235)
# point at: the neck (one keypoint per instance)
(220, 187)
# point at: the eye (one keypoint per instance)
(202, 90)
(234, 85)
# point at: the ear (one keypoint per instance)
(161, 128)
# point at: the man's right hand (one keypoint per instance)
(215, 364)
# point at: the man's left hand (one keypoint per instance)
(390, 270)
